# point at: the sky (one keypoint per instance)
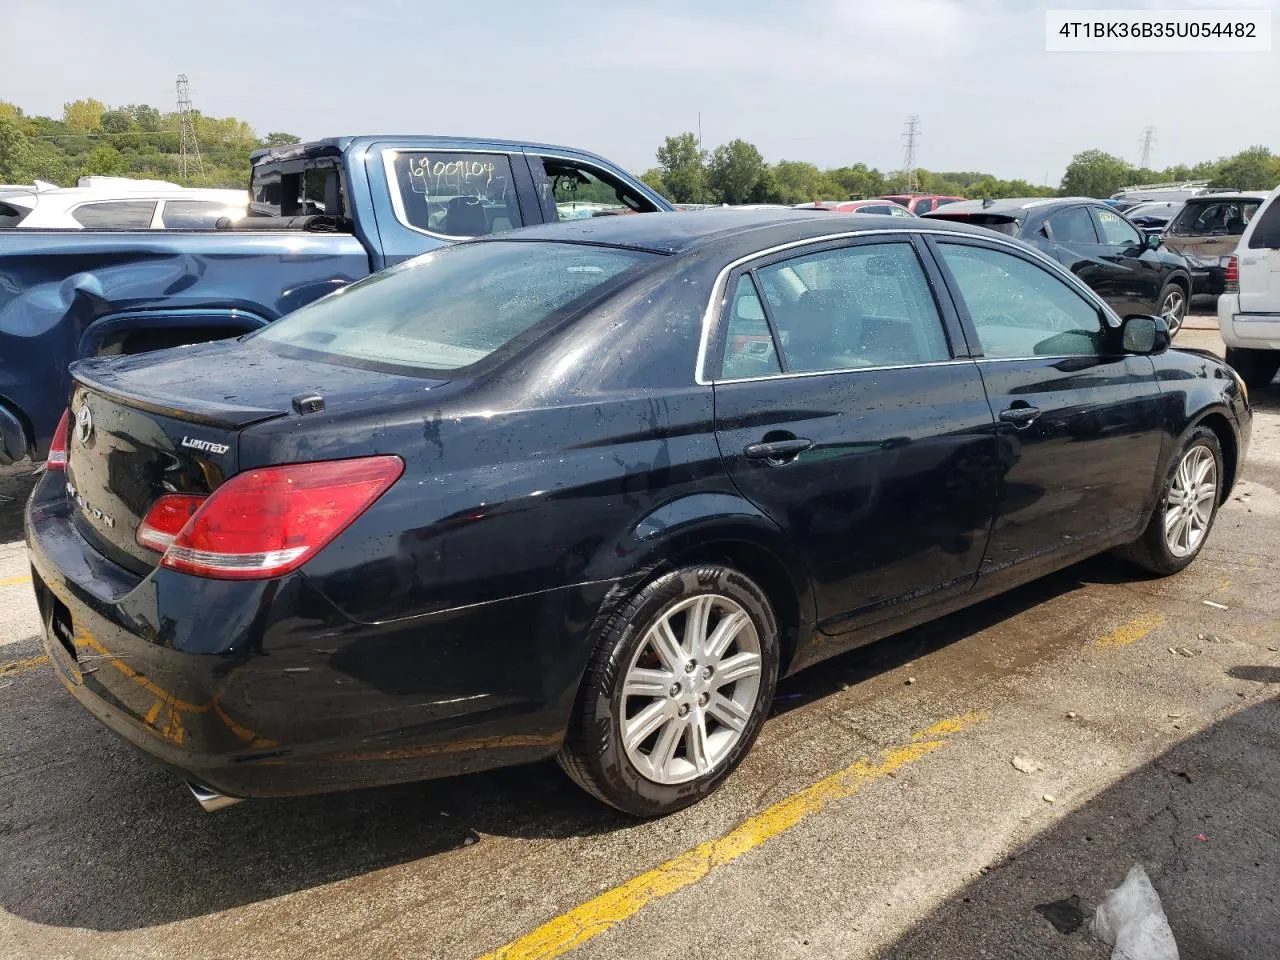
(827, 81)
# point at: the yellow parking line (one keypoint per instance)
(587, 921)
(1130, 632)
(12, 581)
(13, 667)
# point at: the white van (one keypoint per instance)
(1249, 309)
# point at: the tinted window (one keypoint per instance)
(316, 188)
(862, 306)
(1020, 309)
(748, 348)
(1221, 218)
(456, 194)
(1266, 232)
(924, 206)
(115, 214)
(197, 214)
(1117, 231)
(572, 191)
(453, 307)
(10, 215)
(1073, 225)
(884, 209)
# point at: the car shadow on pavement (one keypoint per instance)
(92, 835)
(1203, 819)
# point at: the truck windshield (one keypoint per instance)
(453, 307)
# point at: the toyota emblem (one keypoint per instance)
(84, 424)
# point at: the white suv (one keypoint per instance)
(1249, 309)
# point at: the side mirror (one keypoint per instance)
(1154, 240)
(1144, 335)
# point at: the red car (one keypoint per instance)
(857, 206)
(921, 203)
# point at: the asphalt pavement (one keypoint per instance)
(881, 814)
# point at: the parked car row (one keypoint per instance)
(1249, 307)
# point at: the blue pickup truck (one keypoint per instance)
(328, 213)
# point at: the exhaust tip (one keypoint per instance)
(210, 800)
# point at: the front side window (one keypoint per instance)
(1073, 225)
(450, 308)
(1020, 309)
(574, 191)
(1117, 231)
(197, 214)
(455, 194)
(867, 305)
(115, 214)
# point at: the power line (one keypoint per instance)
(1148, 140)
(909, 136)
(190, 149)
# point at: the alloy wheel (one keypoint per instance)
(1173, 309)
(1189, 505)
(690, 689)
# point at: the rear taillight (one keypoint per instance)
(57, 458)
(1231, 279)
(166, 518)
(266, 522)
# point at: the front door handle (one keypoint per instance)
(1020, 416)
(777, 451)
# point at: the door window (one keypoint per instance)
(1073, 225)
(748, 350)
(115, 214)
(867, 305)
(454, 194)
(573, 191)
(1266, 232)
(1117, 231)
(1020, 309)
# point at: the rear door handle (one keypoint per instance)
(777, 450)
(1020, 416)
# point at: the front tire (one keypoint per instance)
(1172, 305)
(676, 691)
(1186, 509)
(1257, 368)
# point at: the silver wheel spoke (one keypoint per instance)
(1171, 518)
(664, 750)
(647, 683)
(729, 712)
(696, 745)
(726, 630)
(667, 646)
(738, 667)
(695, 625)
(641, 726)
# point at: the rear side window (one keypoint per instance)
(115, 214)
(1266, 231)
(1073, 225)
(454, 194)
(197, 214)
(867, 305)
(748, 349)
(10, 215)
(453, 307)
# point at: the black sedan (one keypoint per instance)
(1128, 268)
(589, 489)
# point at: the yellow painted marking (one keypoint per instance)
(587, 921)
(13, 667)
(14, 581)
(150, 718)
(1130, 632)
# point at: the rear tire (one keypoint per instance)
(676, 691)
(1257, 368)
(1185, 509)
(1172, 305)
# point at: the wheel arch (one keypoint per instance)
(1182, 279)
(1220, 424)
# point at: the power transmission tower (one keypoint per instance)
(1148, 139)
(909, 136)
(190, 157)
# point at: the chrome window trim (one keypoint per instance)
(389, 155)
(715, 305)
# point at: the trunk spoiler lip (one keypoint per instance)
(97, 376)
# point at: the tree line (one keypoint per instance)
(138, 140)
(735, 172)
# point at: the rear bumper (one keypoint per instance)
(1247, 331)
(265, 689)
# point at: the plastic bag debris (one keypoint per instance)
(1131, 919)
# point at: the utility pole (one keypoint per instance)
(699, 131)
(189, 161)
(909, 136)
(1148, 139)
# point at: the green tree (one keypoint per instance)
(1252, 169)
(683, 168)
(653, 177)
(857, 181)
(10, 111)
(278, 139)
(103, 161)
(1094, 173)
(734, 171)
(145, 117)
(83, 116)
(797, 182)
(116, 121)
(13, 151)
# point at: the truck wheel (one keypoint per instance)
(1257, 368)
(676, 691)
(1185, 509)
(1172, 306)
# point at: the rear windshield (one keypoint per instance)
(453, 307)
(1215, 217)
(992, 221)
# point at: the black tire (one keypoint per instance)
(594, 755)
(1173, 292)
(1151, 551)
(1257, 368)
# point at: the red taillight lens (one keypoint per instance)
(1231, 279)
(165, 520)
(57, 458)
(266, 522)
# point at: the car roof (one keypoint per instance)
(681, 231)
(1009, 206)
(1233, 195)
